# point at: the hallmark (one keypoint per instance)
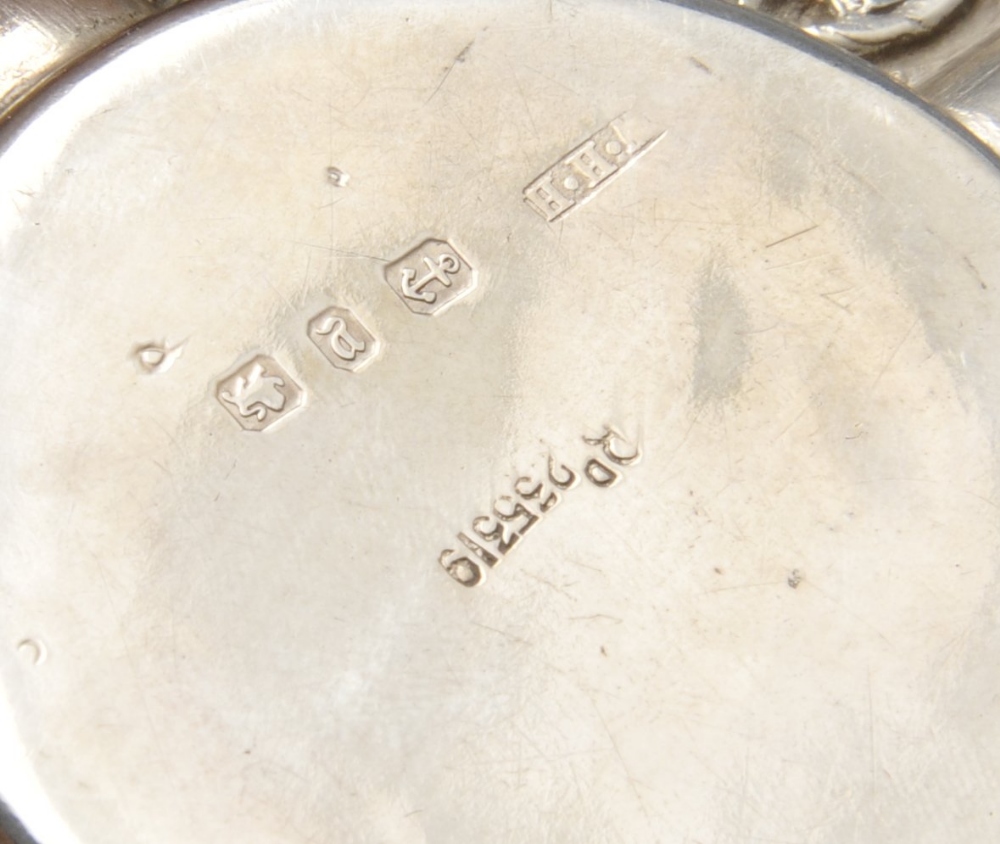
(578, 176)
(431, 277)
(343, 339)
(259, 394)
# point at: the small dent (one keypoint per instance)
(157, 358)
(337, 177)
(33, 651)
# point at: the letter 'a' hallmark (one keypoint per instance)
(343, 339)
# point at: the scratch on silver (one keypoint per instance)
(578, 176)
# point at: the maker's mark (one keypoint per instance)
(578, 176)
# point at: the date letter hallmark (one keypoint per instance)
(431, 277)
(259, 394)
(578, 176)
(343, 339)
(491, 537)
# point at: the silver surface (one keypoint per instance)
(864, 26)
(969, 89)
(725, 424)
(39, 39)
(946, 51)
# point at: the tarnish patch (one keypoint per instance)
(721, 321)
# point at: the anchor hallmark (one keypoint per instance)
(431, 277)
